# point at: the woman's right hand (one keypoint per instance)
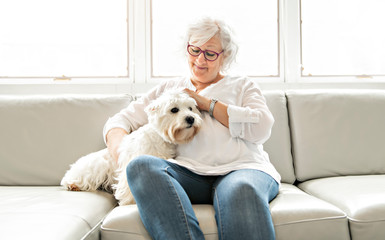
(113, 138)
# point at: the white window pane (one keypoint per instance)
(343, 37)
(43, 38)
(254, 22)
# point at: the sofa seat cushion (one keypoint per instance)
(124, 223)
(52, 213)
(362, 198)
(296, 215)
(300, 216)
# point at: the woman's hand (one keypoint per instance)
(203, 104)
(113, 138)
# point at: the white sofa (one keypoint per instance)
(329, 147)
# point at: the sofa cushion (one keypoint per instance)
(296, 216)
(42, 135)
(278, 146)
(362, 198)
(124, 223)
(52, 213)
(299, 216)
(337, 132)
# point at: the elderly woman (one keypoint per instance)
(224, 165)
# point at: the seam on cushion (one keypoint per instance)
(365, 221)
(119, 231)
(139, 234)
(84, 220)
(312, 220)
(96, 228)
(106, 229)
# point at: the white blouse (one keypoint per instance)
(215, 150)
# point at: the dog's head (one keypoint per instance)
(175, 116)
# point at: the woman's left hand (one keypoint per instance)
(203, 103)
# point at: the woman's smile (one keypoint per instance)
(200, 67)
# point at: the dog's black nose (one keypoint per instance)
(190, 120)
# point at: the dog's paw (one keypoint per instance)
(73, 187)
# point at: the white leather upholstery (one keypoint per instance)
(337, 132)
(42, 135)
(334, 136)
(362, 198)
(278, 146)
(299, 216)
(124, 223)
(296, 216)
(51, 213)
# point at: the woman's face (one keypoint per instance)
(202, 70)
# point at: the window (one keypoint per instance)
(124, 46)
(343, 38)
(255, 24)
(50, 38)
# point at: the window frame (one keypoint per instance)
(140, 77)
(277, 77)
(328, 77)
(42, 80)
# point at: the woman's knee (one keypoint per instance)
(143, 165)
(244, 191)
(244, 185)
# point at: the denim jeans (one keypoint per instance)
(164, 193)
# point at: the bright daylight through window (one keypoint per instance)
(343, 37)
(91, 38)
(254, 23)
(47, 38)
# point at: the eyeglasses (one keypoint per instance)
(208, 54)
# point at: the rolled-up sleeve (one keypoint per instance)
(253, 120)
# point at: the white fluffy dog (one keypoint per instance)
(172, 119)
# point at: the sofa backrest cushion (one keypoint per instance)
(40, 136)
(336, 133)
(278, 146)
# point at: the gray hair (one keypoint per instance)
(204, 29)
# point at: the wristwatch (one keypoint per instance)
(212, 104)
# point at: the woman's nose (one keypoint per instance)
(201, 57)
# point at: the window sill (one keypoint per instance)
(125, 85)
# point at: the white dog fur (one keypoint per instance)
(172, 119)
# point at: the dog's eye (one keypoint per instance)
(175, 110)
(190, 108)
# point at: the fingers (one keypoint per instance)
(114, 138)
(203, 102)
(192, 94)
(189, 92)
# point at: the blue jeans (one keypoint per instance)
(164, 193)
